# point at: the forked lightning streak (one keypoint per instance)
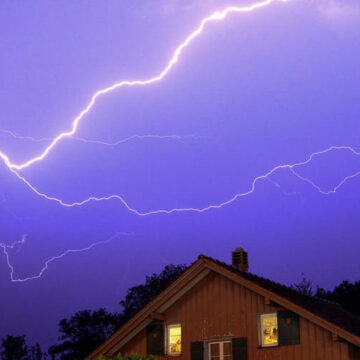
(21, 242)
(101, 142)
(291, 167)
(216, 16)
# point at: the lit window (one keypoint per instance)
(173, 339)
(269, 330)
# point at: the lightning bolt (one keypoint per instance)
(291, 167)
(21, 242)
(22, 137)
(216, 16)
(318, 188)
(272, 181)
(100, 142)
(266, 176)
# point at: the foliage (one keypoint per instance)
(138, 296)
(87, 329)
(15, 348)
(35, 353)
(346, 294)
(304, 287)
(84, 332)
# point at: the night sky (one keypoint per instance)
(252, 92)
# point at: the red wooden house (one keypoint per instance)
(215, 311)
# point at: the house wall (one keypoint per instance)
(218, 307)
(354, 352)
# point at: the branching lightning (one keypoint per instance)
(15, 168)
(266, 176)
(216, 16)
(101, 142)
(21, 242)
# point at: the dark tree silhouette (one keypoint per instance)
(14, 348)
(138, 296)
(86, 330)
(35, 353)
(346, 294)
(83, 332)
(305, 286)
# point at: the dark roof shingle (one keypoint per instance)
(327, 310)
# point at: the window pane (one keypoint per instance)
(269, 328)
(215, 350)
(174, 339)
(227, 350)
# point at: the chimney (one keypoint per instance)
(240, 259)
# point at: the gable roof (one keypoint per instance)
(323, 313)
(327, 310)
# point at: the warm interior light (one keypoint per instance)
(174, 339)
(269, 329)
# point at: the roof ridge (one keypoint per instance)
(331, 311)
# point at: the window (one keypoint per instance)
(220, 350)
(269, 334)
(173, 339)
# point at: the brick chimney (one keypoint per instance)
(240, 259)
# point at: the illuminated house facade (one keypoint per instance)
(214, 311)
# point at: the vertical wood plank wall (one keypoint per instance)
(354, 353)
(218, 307)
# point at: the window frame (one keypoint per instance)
(167, 342)
(261, 332)
(221, 348)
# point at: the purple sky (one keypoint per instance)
(252, 92)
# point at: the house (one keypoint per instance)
(215, 311)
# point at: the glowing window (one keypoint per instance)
(269, 330)
(173, 339)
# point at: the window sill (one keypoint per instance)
(268, 347)
(172, 355)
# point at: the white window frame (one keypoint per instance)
(167, 343)
(261, 330)
(221, 348)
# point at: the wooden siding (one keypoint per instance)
(219, 308)
(354, 352)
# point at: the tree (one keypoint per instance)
(35, 353)
(84, 332)
(346, 294)
(138, 296)
(14, 348)
(304, 287)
